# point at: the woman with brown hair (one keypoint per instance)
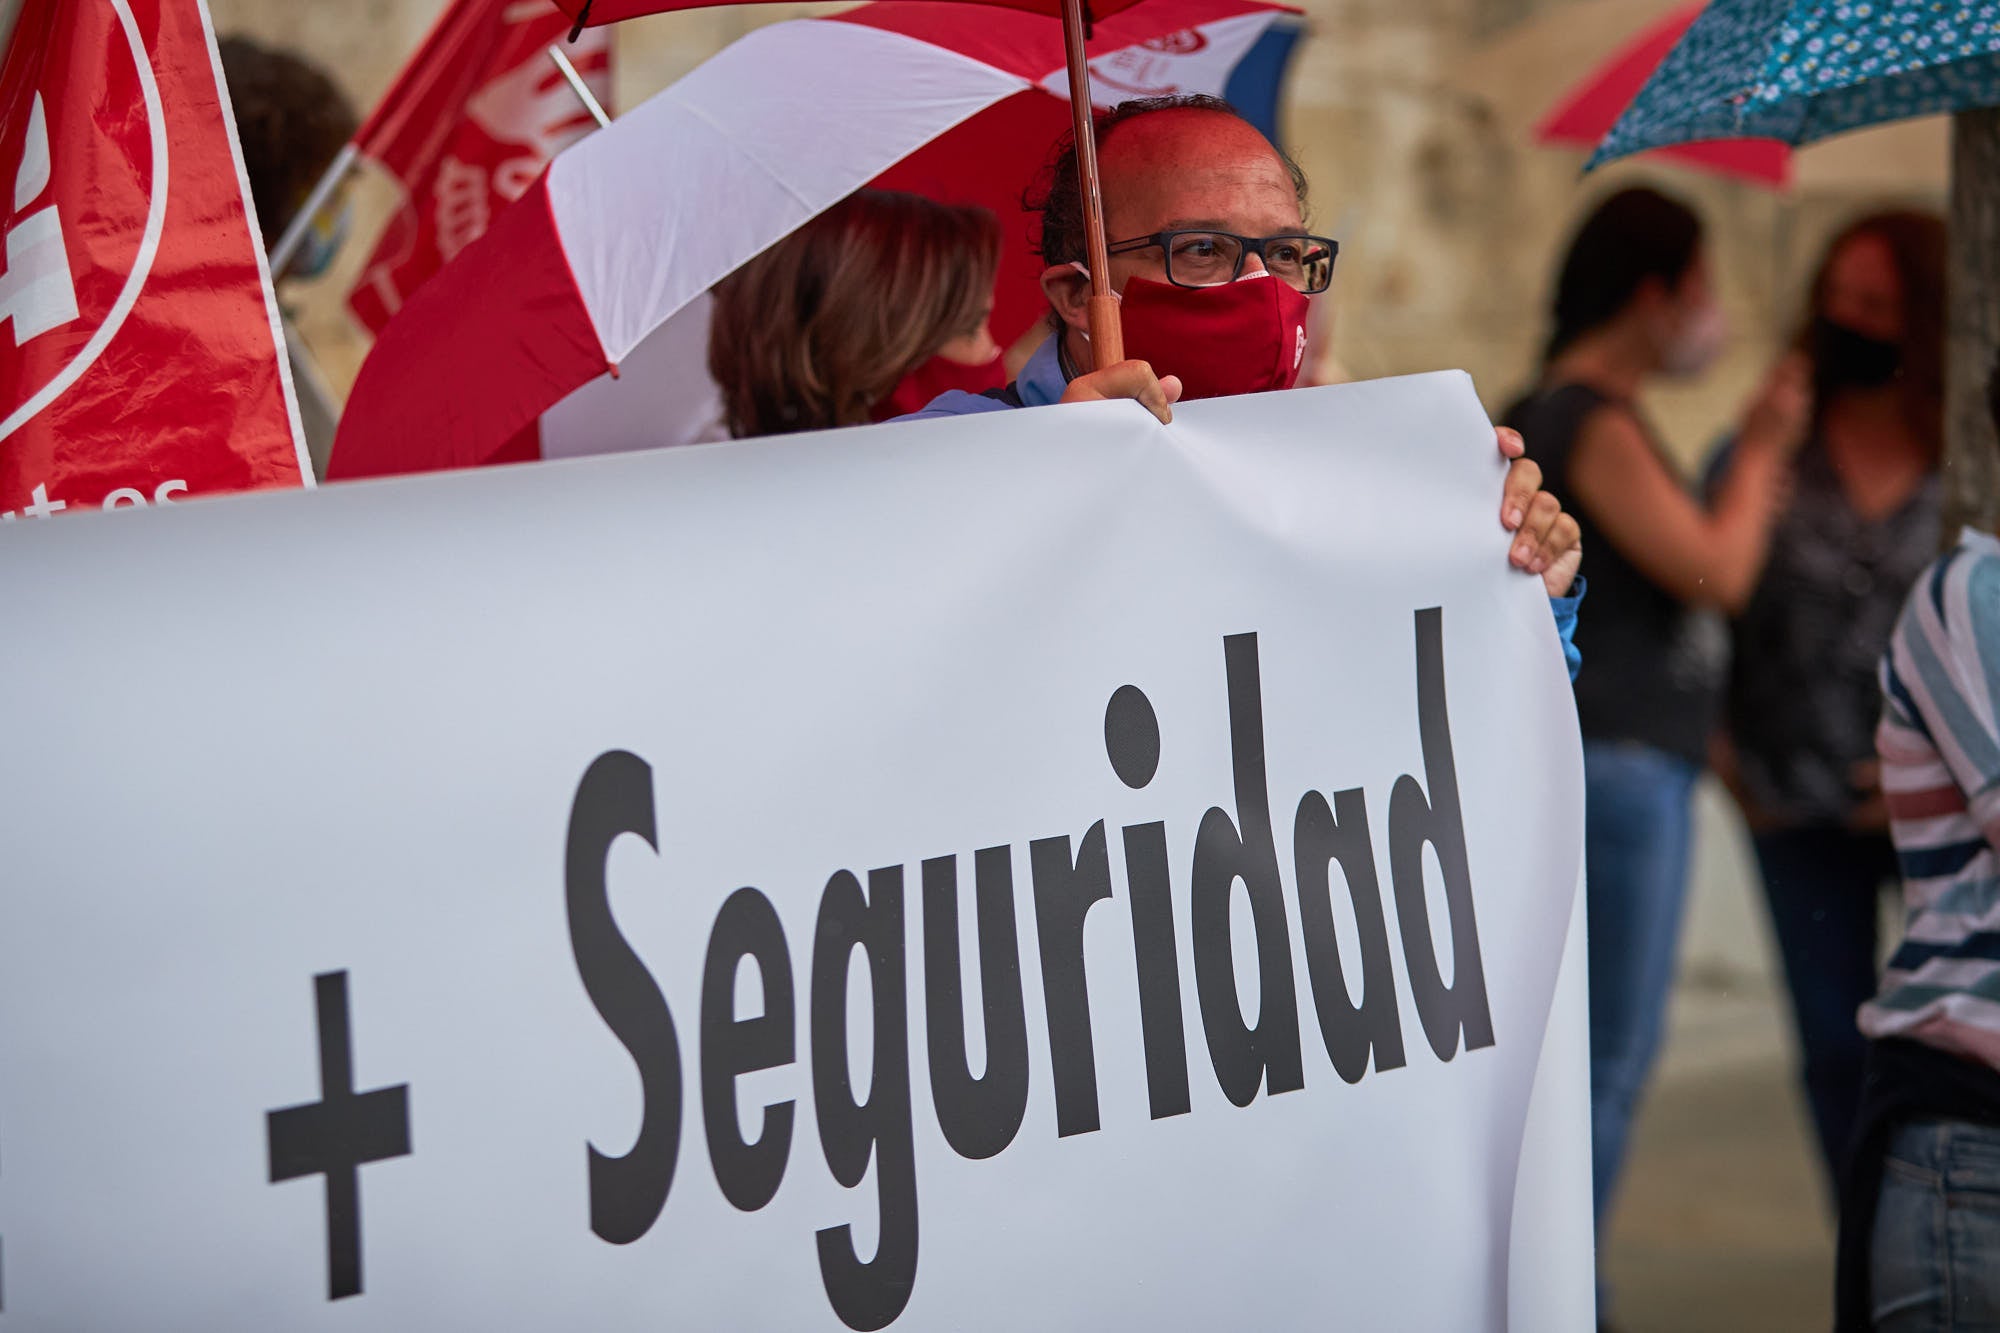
(819, 329)
(1804, 700)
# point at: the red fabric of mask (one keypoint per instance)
(937, 376)
(1237, 337)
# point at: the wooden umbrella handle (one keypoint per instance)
(1107, 335)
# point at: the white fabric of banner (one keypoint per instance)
(746, 122)
(267, 854)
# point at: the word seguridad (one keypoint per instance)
(980, 1115)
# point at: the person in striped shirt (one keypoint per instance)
(1920, 1224)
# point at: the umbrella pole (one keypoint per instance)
(579, 87)
(1107, 337)
(294, 235)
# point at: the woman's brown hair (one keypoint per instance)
(820, 327)
(1916, 244)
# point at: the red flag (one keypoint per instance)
(139, 354)
(473, 119)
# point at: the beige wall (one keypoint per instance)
(1412, 118)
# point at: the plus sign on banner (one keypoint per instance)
(139, 353)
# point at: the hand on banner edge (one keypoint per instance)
(1128, 379)
(1548, 541)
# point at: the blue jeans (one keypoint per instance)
(1636, 830)
(1823, 886)
(1935, 1255)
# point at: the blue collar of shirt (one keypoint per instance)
(1042, 381)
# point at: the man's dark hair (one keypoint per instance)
(1635, 235)
(292, 122)
(1057, 194)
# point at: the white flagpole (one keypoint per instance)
(288, 244)
(579, 87)
(295, 231)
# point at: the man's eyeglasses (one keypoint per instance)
(1211, 258)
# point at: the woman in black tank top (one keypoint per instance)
(1632, 303)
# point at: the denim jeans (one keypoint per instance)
(1823, 886)
(1636, 830)
(1935, 1255)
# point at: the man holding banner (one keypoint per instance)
(997, 873)
(983, 875)
(1208, 309)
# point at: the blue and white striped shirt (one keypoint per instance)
(1939, 743)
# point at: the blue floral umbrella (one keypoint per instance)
(1798, 71)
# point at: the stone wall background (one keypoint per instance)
(1413, 119)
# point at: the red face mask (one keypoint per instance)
(1238, 337)
(935, 376)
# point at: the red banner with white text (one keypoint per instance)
(139, 355)
(472, 121)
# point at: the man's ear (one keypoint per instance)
(1069, 294)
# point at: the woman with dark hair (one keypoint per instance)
(291, 121)
(1803, 699)
(1633, 303)
(821, 328)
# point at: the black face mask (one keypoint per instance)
(1846, 359)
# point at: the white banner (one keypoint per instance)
(1034, 871)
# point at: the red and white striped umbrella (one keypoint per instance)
(637, 221)
(595, 13)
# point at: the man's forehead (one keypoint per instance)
(1195, 167)
(1183, 130)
